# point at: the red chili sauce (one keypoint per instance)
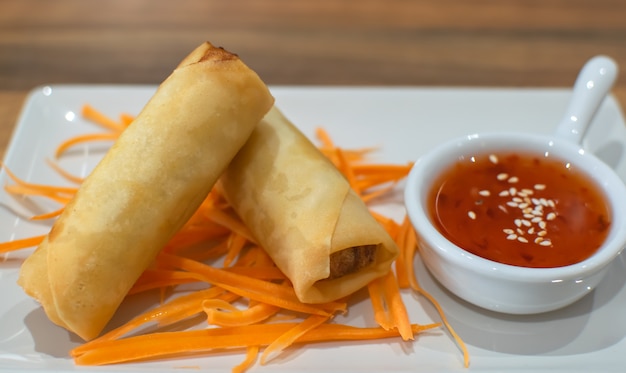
(517, 209)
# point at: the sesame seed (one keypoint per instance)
(484, 193)
(528, 191)
(536, 219)
(520, 231)
(512, 191)
(503, 209)
(543, 201)
(508, 231)
(536, 201)
(551, 216)
(472, 215)
(493, 158)
(540, 186)
(551, 203)
(529, 216)
(504, 193)
(538, 239)
(542, 233)
(513, 180)
(512, 203)
(526, 222)
(517, 199)
(518, 222)
(531, 230)
(545, 243)
(511, 237)
(542, 224)
(523, 205)
(528, 210)
(502, 176)
(522, 239)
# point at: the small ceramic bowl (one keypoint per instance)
(509, 288)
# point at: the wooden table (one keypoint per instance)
(505, 43)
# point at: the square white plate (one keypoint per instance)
(404, 123)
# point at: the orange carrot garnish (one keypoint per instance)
(248, 302)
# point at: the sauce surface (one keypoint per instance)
(518, 209)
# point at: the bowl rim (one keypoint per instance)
(610, 184)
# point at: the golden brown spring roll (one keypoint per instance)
(301, 209)
(144, 189)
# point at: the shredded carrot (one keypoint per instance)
(291, 336)
(61, 171)
(66, 145)
(164, 344)
(411, 250)
(248, 302)
(41, 188)
(252, 352)
(261, 291)
(95, 116)
(23, 243)
(225, 314)
(401, 265)
(236, 243)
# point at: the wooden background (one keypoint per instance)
(505, 43)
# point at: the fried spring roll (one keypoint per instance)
(144, 189)
(301, 209)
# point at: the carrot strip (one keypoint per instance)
(184, 342)
(396, 306)
(252, 352)
(401, 261)
(252, 315)
(220, 217)
(259, 272)
(126, 119)
(17, 189)
(411, 251)
(236, 243)
(366, 197)
(344, 167)
(69, 191)
(381, 314)
(324, 137)
(176, 310)
(49, 215)
(261, 291)
(23, 243)
(90, 113)
(67, 144)
(291, 336)
(159, 278)
(66, 175)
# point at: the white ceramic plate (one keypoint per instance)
(404, 123)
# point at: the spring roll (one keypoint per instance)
(302, 211)
(144, 189)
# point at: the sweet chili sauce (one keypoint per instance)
(519, 209)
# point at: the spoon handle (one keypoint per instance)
(593, 83)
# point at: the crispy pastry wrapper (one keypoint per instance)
(144, 189)
(301, 209)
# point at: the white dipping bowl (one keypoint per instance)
(496, 286)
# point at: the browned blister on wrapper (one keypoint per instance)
(144, 189)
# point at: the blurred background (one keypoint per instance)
(504, 43)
